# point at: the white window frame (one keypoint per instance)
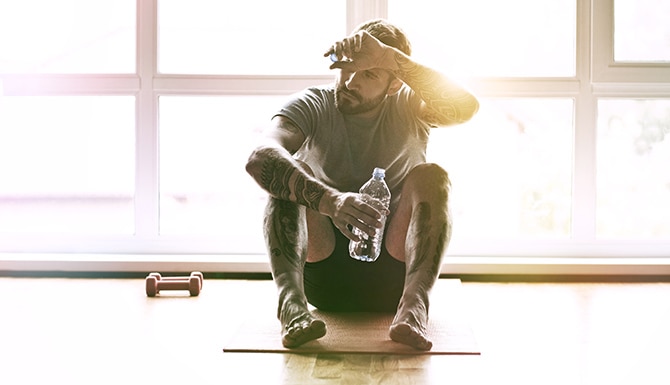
(625, 75)
(596, 76)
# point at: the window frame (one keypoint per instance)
(596, 76)
(606, 70)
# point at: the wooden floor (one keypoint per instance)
(106, 331)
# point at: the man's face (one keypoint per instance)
(362, 91)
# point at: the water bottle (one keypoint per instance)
(375, 192)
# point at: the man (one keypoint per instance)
(321, 147)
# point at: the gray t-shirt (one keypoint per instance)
(343, 150)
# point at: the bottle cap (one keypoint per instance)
(379, 172)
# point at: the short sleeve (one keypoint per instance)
(305, 109)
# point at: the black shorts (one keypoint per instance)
(341, 283)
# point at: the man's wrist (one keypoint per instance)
(390, 59)
(325, 203)
(400, 63)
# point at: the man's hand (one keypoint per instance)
(362, 51)
(348, 210)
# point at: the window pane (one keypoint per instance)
(67, 36)
(205, 190)
(633, 169)
(511, 169)
(511, 38)
(247, 37)
(67, 164)
(641, 30)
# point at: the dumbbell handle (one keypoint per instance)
(173, 284)
(199, 277)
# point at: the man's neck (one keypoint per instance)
(367, 116)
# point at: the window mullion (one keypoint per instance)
(584, 164)
(146, 152)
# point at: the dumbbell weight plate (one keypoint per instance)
(194, 284)
(151, 286)
(199, 276)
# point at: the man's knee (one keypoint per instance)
(321, 236)
(283, 213)
(428, 177)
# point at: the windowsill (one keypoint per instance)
(258, 263)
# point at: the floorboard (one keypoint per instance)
(106, 331)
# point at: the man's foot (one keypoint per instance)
(302, 329)
(404, 333)
(409, 324)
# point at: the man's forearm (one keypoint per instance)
(282, 177)
(448, 101)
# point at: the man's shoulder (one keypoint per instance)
(318, 97)
(323, 90)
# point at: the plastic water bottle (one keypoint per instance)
(375, 192)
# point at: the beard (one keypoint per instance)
(351, 102)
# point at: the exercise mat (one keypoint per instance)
(448, 329)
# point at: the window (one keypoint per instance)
(246, 37)
(512, 165)
(513, 160)
(67, 36)
(633, 175)
(204, 189)
(484, 38)
(641, 31)
(630, 42)
(125, 125)
(67, 164)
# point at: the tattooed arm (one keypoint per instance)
(273, 167)
(275, 170)
(444, 101)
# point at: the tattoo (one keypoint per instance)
(285, 235)
(427, 252)
(275, 176)
(447, 102)
(284, 180)
(308, 192)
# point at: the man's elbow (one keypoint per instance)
(466, 111)
(471, 110)
(458, 116)
(255, 161)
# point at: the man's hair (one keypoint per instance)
(387, 33)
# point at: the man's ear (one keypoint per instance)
(394, 86)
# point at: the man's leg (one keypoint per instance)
(419, 231)
(290, 244)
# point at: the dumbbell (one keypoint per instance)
(155, 283)
(193, 274)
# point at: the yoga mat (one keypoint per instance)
(448, 329)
